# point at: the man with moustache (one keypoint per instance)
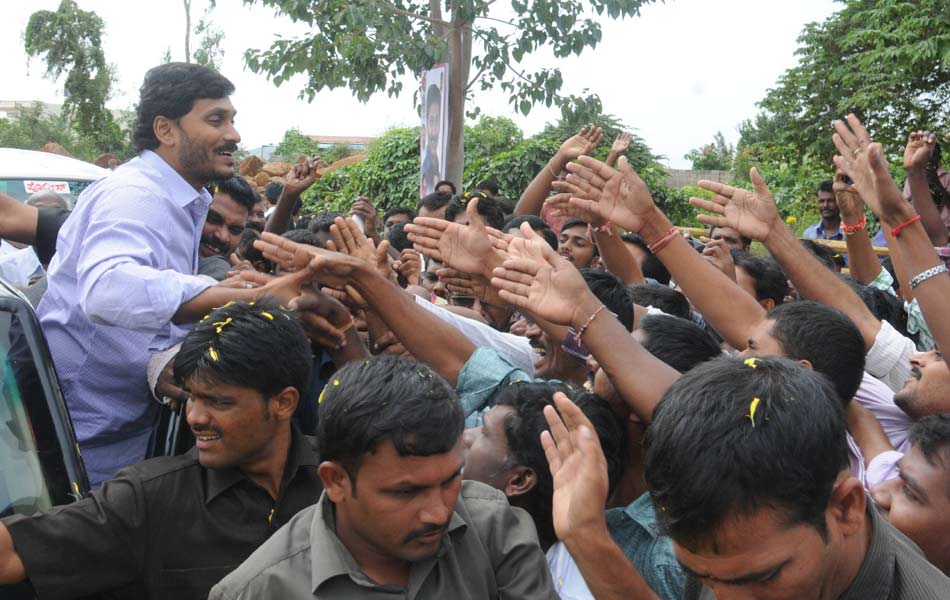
(123, 279)
(232, 203)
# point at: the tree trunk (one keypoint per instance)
(460, 62)
(187, 31)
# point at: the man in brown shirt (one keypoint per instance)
(396, 521)
(172, 527)
(747, 464)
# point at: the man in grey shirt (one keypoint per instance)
(747, 465)
(395, 521)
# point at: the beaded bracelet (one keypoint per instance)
(852, 229)
(931, 272)
(580, 333)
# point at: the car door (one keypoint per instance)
(40, 465)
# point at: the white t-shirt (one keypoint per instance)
(568, 581)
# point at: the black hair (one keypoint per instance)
(488, 208)
(435, 201)
(448, 183)
(536, 223)
(826, 255)
(254, 226)
(239, 190)
(303, 236)
(678, 342)
(827, 186)
(323, 220)
(256, 345)
(399, 210)
(770, 280)
(507, 204)
(523, 430)
(581, 223)
(398, 238)
(728, 439)
(883, 304)
(826, 338)
(744, 240)
(612, 292)
(273, 191)
(489, 186)
(662, 297)
(652, 266)
(932, 436)
(247, 251)
(170, 91)
(386, 398)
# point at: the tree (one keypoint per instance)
(368, 46)
(888, 61)
(717, 156)
(187, 30)
(209, 52)
(70, 41)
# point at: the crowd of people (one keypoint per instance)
(470, 397)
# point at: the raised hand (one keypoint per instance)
(621, 144)
(578, 468)
(469, 249)
(919, 150)
(348, 239)
(863, 161)
(287, 254)
(719, 256)
(363, 207)
(324, 319)
(301, 177)
(753, 214)
(575, 187)
(615, 195)
(537, 278)
(849, 200)
(409, 266)
(585, 142)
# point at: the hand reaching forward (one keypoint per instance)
(325, 320)
(919, 150)
(333, 269)
(469, 249)
(348, 239)
(301, 177)
(615, 195)
(849, 200)
(717, 253)
(537, 278)
(621, 144)
(863, 161)
(753, 214)
(578, 469)
(287, 254)
(585, 142)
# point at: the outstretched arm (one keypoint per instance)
(579, 471)
(586, 140)
(917, 154)
(298, 179)
(754, 214)
(539, 280)
(864, 162)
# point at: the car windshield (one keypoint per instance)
(23, 488)
(21, 189)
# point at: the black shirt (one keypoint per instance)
(163, 528)
(48, 223)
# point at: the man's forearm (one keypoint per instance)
(816, 282)
(210, 299)
(427, 337)
(861, 258)
(617, 259)
(533, 197)
(640, 378)
(608, 572)
(922, 200)
(725, 306)
(280, 220)
(11, 567)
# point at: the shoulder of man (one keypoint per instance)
(495, 521)
(284, 556)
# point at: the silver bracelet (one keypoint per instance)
(922, 277)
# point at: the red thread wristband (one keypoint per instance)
(589, 321)
(663, 241)
(859, 226)
(896, 231)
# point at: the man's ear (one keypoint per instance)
(806, 363)
(767, 303)
(283, 404)
(165, 131)
(847, 505)
(521, 480)
(336, 481)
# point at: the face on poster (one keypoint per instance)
(433, 140)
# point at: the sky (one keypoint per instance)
(676, 75)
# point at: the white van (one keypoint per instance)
(25, 172)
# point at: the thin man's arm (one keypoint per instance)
(617, 258)
(923, 201)
(532, 199)
(279, 221)
(867, 432)
(11, 567)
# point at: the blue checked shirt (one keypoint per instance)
(124, 264)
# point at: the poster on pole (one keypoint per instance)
(434, 96)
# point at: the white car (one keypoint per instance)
(25, 172)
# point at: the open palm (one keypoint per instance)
(753, 214)
(621, 197)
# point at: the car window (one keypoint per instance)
(33, 472)
(21, 189)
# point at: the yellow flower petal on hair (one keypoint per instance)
(320, 397)
(336, 383)
(268, 315)
(229, 303)
(750, 362)
(213, 354)
(752, 408)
